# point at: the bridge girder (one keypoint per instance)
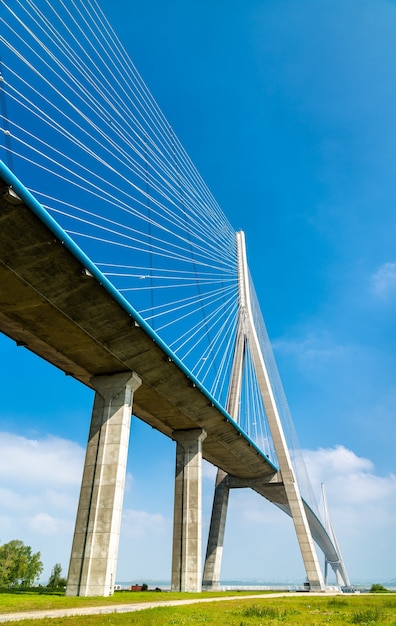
(56, 304)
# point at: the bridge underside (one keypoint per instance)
(53, 306)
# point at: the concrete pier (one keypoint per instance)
(187, 523)
(96, 537)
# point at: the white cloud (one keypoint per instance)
(39, 487)
(48, 461)
(261, 543)
(260, 540)
(45, 524)
(383, 281)
(17, 502)
(312, 348)
(141, 524)
(362, 508)
(331, 462)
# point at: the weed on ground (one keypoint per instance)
(311, 610)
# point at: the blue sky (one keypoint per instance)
(287, 108)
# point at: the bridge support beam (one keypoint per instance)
(187, 522)
(303, 532)
(214, 552)
(95, 545)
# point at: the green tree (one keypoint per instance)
(18, 565)
(377, 588)
(56, 580)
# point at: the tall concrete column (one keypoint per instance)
(214, 552)
(94, 554)
(187, 521)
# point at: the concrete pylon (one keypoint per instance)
(247, 337)
(214, 551)
(187, 520)
(294, 500)
(339, 565)
(94, 554)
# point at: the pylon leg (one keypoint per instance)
(214, 552)
(293, 495)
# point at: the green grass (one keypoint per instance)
(366, 610)
(17, 601)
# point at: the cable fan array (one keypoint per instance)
(84, 134)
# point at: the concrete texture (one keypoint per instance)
(93, 561)
(292, 492)
(187, 519)
(214, 551)
(51, 306)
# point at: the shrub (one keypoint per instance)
(377, 588)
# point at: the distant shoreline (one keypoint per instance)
(253, 585)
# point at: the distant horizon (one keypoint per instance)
(253, 582)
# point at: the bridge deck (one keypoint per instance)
(49, 304)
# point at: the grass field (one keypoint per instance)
(307, 610)
(18, 601)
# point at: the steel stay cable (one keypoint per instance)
(184, 303)
(219, 334)
(196, 328)
(204, 255)
(216, 317)
(137, 188)
(118, 48)
(80, 29)
(212, 298)
(187, 258)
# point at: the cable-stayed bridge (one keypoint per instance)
(119, 267)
